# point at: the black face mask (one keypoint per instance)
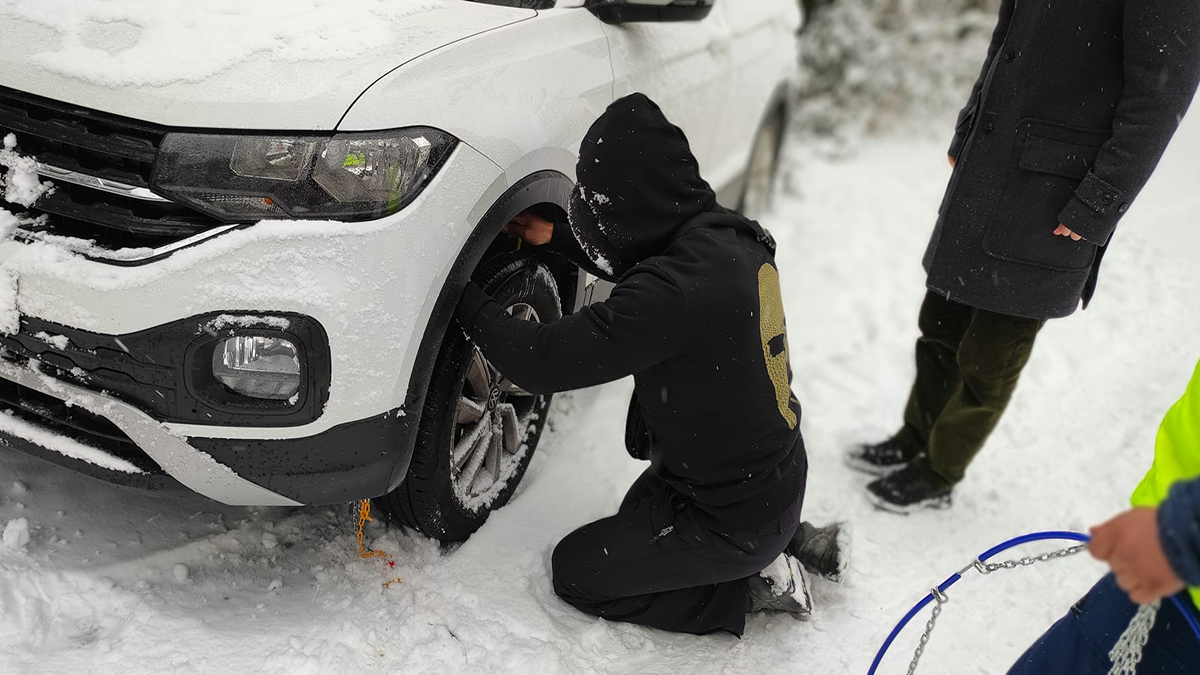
(638, 182)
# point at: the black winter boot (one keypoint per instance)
(914, 487)
(879, 459)
(824, 551)
(781, 587)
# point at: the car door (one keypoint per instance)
(762, 53)
(684, 67)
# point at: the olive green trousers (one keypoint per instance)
(968, 364)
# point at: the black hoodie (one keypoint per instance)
(696, 318)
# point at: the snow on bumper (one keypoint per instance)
(187, 465)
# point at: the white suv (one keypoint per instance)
(242, 278)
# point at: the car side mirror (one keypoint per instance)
(627, 11)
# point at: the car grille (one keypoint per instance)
(100, 146)
(92, 363)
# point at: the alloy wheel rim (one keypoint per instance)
(492, 420)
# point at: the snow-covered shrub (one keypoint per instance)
(874, 65)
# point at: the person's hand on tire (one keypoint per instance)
(531, 228)
(1130, 545)
(953, 160)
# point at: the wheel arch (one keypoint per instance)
(779, 106)
(545, 190)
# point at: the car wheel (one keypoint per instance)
(764, 165)
(478, 430)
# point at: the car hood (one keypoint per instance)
(225, 64)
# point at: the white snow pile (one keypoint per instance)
(247, 321)
(876, 65)
(20, 180)
(56, 341)
(20, 185)
(165, 41)
(16, 533)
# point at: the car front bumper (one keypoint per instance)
(371, 286)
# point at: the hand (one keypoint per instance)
(1130, 545)
(531, 228)
(1064, 231)
(953, 161)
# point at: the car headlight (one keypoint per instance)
(357, 176)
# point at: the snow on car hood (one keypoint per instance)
(261, 64)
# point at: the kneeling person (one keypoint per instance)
(697, 319)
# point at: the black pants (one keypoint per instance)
(654, 563)
(968, 364)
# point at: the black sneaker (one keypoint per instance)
(824, 551)
(879, 459)
(914, 487)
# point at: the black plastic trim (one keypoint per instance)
(106, 212)
(519, 4)
(346, 463)
(620, 11)
(155, 369)
(138, 262)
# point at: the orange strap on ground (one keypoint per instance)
(364, 515)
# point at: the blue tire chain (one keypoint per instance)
(987, 555)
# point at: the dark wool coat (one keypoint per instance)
(1074, 107)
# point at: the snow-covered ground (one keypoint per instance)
(116, 581)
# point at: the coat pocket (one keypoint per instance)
(1052, 160)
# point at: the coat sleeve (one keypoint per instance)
(1179, 530)
(1162, 67)
(640, 325)
(564, 243)
(966, 117)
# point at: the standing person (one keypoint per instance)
(1070, 115)
(697, 319)
(1153, 550)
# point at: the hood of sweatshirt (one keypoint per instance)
(638, 182)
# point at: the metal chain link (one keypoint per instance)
(988, 568)
(983, 568)
(941, 599)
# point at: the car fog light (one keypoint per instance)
(258, 366)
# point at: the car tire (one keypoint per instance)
(490, 435)
(761, 171)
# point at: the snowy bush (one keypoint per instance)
(874, 65)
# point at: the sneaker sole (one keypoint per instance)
(805, 596)
(934, 504)
(871, 469)
(845, 539)
(799, 599)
